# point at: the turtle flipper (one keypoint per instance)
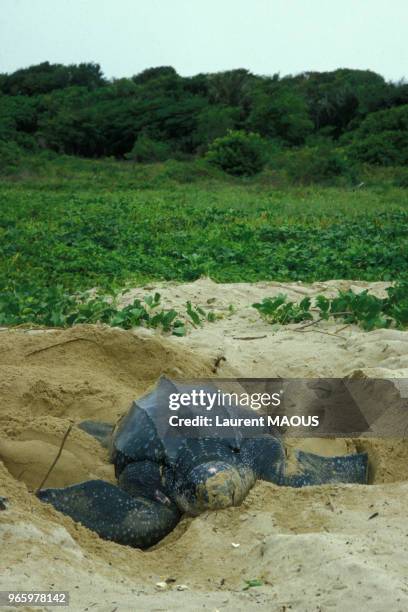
(101, 431)
(266, 455)
(114, 514)
(316, 470)
(144, 479)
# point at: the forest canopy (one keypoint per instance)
(158, 114)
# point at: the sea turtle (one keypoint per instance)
(164, 472)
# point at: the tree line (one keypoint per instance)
(158, 114)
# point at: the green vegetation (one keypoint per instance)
(249, 584)
(349, 307)
(238, 153)
(321, 164)
(279, 310)
(55, 307)
(382, 138)
(158, 115)
(160, 177)
(104, 224)
(147, 150)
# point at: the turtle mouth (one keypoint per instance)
(214, 486)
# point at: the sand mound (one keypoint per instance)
(50, 380)
(87, 371)
(319, 548)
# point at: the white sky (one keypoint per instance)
(265, 36)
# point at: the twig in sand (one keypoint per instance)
(249, 337)
(316, 331)
(343, 328)
(316, 321)
(64, 439)
(50, 346)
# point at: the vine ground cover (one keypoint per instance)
(362, 308)
(80, 229)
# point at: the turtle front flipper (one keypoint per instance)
(114, 514)
(144, 479)
(316, 470)
(266, 455)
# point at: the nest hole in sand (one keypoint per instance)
(51, 380)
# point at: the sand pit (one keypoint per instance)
(321, 548)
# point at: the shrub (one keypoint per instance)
(382, 138)
(238, 153)
(318, 164)
(387, 148)
(147, 150)
(401, 178)
(10, 156)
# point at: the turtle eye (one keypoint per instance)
(236, 450)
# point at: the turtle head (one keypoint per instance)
(214, 485)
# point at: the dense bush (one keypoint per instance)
(238, 153)
(318, 164)
(147, 150)
(279, 113)
(389, 148)
(10, 156)
(382, 138)
(401, 177)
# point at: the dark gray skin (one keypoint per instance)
(162, 475)
(127, 514)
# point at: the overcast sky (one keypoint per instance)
(265, 36)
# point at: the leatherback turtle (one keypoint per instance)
(163, 473)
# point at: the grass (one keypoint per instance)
(82, 223)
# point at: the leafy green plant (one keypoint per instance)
(57, 308)
(91, 224)
(10, 156)
(254, 582)
(364, 309)
(147, 150)
(238, 153)
(382, 138)
(400, 178)
(279, 310)
(197, 315)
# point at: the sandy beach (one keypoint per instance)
(319, 548)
